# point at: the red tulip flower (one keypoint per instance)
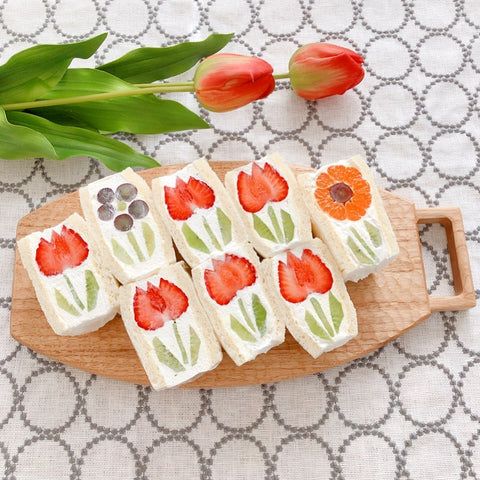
(158, 305)
(227, 81)
(185, 197)
(262, 186)
(228, 276)
(66, 249)
(318, 70)
(300, 277)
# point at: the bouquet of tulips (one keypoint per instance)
(50, 110)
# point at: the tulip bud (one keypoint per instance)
(227, 81)
(319, 70)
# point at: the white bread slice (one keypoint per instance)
(242, 339)
(190, 338)
(139, 259)
(270, 220)
(216, 227)
(360, 247)
(98, 308)
(315, 336)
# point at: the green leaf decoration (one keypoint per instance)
(241, 331)
(288, 226)
(193, 239)
(119, 114)
(210, 233)
(178, 338)
(194, 346)
(262, 229)
(73, 292)
(363, 243)
(136, 247)
(356, 250)
(149, 238)
(260, 314)
(17, 142)
(276, 225)
(374, 233)
(121, 253)
(92, 288)
(145, 65)
(314, 327)
(245, 314)
(74, 142)
(225, 225)
(336, 311)
(64, 304)
(166, 357)
(321, 315)
(31, 73)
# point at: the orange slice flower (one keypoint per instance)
(343, 193)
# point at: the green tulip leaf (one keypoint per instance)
(358, 253)
(212, 236)
(245, 314)
(31, 73)
(374, 233)
(225, 225)
(336, 311)
(260, 314)
(64, 304)
(363, 243)
(73, 292)
(262, 228)
(132, 114)
(92, 288)
(166, 357)
(145, 65)
(314, 327)
(194, 346)
(276, 225)
(193, 239)
(136, 247)
(241, 331)
(121, 253)
(288, 226)
(321, 315)
(73, 142)
(149, 238)
(178, 338)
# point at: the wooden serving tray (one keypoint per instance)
(388, 303)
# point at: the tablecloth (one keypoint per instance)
(408, 411)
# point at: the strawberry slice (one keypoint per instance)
(228, 277)
(202, 195)
(301, 276)
(157, 305)
(262, 186)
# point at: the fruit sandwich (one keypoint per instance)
(270, 204)
(347, 213)
(131, 238)
(75, 293)
(168, 327)
(197, 211)
(311, 294)
(240, 305)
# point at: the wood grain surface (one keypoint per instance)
(388, 303)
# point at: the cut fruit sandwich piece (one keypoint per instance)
(168, 327)
(270, 204)
(239, 303)
(75, 294)
(347, 213)
(132, 239)
(310, 292)
(197, 211)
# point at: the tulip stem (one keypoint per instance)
(281, 76)
(169, 85)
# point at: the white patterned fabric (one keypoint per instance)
(408, 411)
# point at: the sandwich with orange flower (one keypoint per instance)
(347, 213)
(76, 294)
(197, 211)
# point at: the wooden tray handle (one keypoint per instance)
(451, 219)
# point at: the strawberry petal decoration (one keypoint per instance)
(228, 277)
(262, 186)
(301, 276)
(66, 249)
(319, 70)
(227, 81)
(157, 305)
(185, 197)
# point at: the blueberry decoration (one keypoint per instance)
(105, 195)
(106, 212)
(123, 222)
(126, 192)
(138, 209)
